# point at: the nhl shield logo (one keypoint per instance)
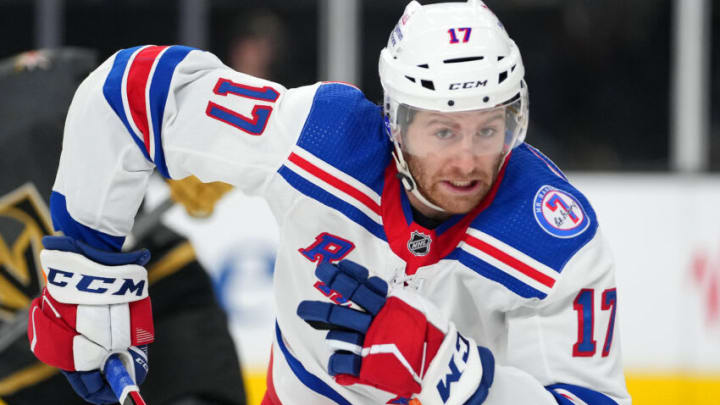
(419, 243)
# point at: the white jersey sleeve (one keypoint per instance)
(563, 349)
(175, 109)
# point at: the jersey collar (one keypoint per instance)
(415, 244)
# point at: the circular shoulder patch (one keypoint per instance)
(559, 213)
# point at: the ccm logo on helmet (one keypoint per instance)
(96, 284)
(468, 85)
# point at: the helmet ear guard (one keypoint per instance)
(450, 57)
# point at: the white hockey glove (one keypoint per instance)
(95, 304)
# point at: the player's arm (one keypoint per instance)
(566, 349)
(173, 109)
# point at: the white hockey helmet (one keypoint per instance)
(451, 57)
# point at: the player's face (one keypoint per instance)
(454, 157)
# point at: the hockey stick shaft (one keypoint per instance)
(125, 389)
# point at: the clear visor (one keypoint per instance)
(485, 132)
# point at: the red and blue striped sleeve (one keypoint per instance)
(137, 89)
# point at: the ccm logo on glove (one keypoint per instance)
(74, 279)
(84, 282)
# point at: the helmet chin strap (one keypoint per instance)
(407, 180)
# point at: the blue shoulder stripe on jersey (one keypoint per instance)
(345, 130)
(158, 97)
(590, 397)
(68, 244)
(318, 194)
(311, 381)
(486, 270)
(112, 90)
(62, 221)
(511, 217)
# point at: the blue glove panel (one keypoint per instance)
(367, 299)
(351, 281)
(140, 361)
(344, 363)
(91, 386)
(68, 244)
(352, 338)
(324, 315)
(378, 285)
(343, 284)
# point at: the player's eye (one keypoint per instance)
(444, 133)
(487, 132)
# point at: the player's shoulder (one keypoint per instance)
(344, 131)
(344, 108)
(535, 224)
(537, 209)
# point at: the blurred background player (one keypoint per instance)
(187, 317)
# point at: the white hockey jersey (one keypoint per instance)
(527, 274)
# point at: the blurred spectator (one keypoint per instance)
(257, 39)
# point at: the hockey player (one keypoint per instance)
(427, 254)
(181, 289)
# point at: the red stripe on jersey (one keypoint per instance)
(510, 261)
(137, 82)
(138, 400)
(270, 397)
(335, 182)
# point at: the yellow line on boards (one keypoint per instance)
(254, 385)
(645, 388)
(680, 388)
